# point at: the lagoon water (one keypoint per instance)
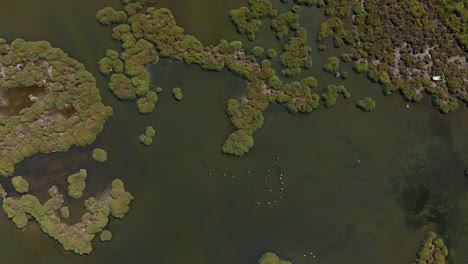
(340, 166)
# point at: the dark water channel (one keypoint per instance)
(339, 166)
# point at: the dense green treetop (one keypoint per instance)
(99, 155)
(20, 184)
(432, 250)
(76, 184)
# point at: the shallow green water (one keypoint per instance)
(340, 209)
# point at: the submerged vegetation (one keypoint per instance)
(70, 114)
(432, 250)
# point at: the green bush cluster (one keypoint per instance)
(76, 184)
(70, 114)
(403, 58)
(271, 53)
(111, 63)
(109, 15)
(177, 92)
(283, 22)
(331, 94)
(366, 104)
(120, 199)
(258, 51)
(432, 250)
(105, 235)
(296, 54)
(332, 64)
(99, 155)
(272, 258)
(248, 19)
(20, 184)
(158, 27)
(79, 236)
(147, 104)
(147, 137)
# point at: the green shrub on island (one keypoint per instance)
(147, 137)
(109, 15)
(177, 92)
(331, 94)
(99, 155)
(71, 106)
(283, 22)
(238, 143)
(331, 65)
(248, 20)
(296, 54)
(271, 53)
(257, 51)
(64, 212)
(147, 104)
(105, 235)
(111, 63)
(158, 90)
(120, 199)
(76, 184)
(20, 184)
(432, 250)
(271, 258)
(366, 104)
(344, 75)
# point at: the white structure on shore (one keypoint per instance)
(438, 78)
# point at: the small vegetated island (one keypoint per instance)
(62, 105)
(49, 215)
(59, 107)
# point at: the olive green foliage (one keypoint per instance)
(76, 184)
(177, 92)
(248, 19)
(257, 51)
(70, 114)
(120, 199)
(331, 94)
(111, 63)
(344, 75)
(147, 104)
(238, 143)
(147, 137)
(99, 155)
(432, 250)
(271, 53)
(366, 104)
(283, 22)
(105, 235)
(271, 258)
(296, 54)
(64, 212)
(109, 16)
(20, 184)
(158, 90)
(403, 57)
(158, 27)
(332, 64)
(77, 237)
